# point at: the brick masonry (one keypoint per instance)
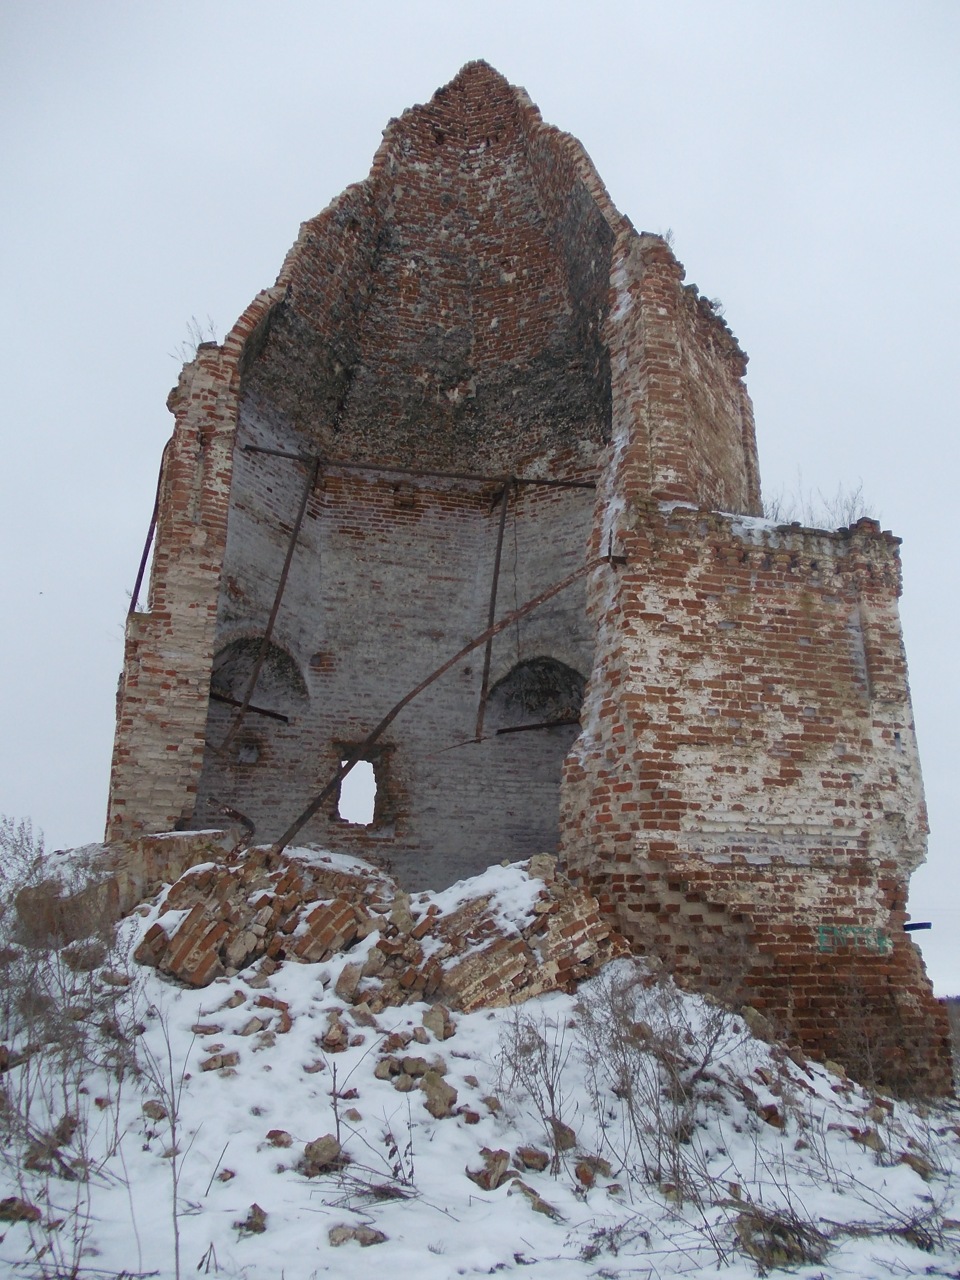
(743, 793)
(222, 917)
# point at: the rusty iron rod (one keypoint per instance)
(359, 753)
(150, 532)
(544, 724)
(259, 711)
(333, 464)
(281, 586)
(492, 610)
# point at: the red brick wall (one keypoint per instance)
(746, 793)
(162, 697)
(682, 419)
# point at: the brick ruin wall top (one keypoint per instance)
(472, 378)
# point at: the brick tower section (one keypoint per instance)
(745, 794)
(472, 378)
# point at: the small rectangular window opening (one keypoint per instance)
(358, 795)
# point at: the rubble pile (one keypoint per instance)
(220, 918)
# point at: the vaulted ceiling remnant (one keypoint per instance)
(480, 413)
(451, 305)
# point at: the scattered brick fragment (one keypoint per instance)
(254, 1223)
(321, 1154)
(438, 1020)
(537, 1202)
(13, 1209)
(440, 1096)
(532, 1158)
(493, 1170)
(363, 1235)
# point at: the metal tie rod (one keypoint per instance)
(342, 464)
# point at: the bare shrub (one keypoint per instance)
(199, 333)
(68, 1033)
(393, 1175)
(876, 1044)
(166, 1079)
(649, 1063)
(779, 1238)
(533, 1056)
(815, 509)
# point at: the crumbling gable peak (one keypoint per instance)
(455, 297)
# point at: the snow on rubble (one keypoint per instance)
(463, 1083)
(481, 942)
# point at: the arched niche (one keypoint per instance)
(280, 688)
(254, 756)
(538, 694)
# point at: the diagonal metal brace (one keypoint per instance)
(312, 473)
(492, 611)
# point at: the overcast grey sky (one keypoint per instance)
(157, 159)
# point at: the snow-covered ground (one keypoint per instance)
(681, 1144)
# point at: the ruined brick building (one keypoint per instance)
(474, 380)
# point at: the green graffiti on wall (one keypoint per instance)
(831, 937)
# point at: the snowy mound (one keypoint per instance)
(286, 1120)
